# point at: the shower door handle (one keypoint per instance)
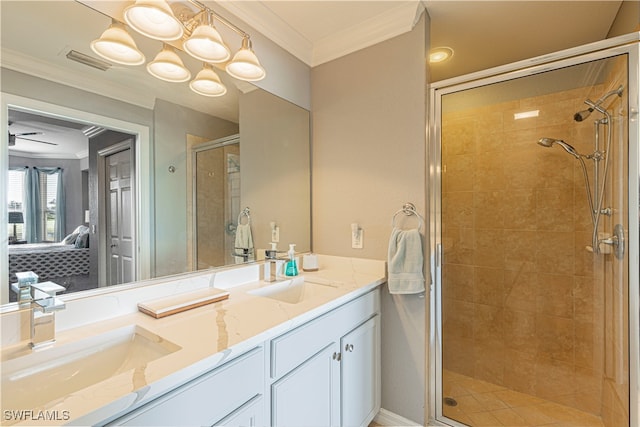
(438, 254)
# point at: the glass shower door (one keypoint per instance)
(534, 214)
(217, 202)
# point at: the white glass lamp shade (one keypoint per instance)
(117, 45)
(245, 64)
(168, 66)
(206, 45)
(154, 19)
(207, 83)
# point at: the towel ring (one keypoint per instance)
(408, 209)
(245, 212)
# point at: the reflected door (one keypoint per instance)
(120, 216)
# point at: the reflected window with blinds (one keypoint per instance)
(15, 205)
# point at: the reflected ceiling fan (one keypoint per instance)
(14, 136)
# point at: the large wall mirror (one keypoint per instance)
(114, 176)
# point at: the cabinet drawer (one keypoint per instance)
(207, 398)
(294, 347)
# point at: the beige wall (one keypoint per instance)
(627, 20)
(275, 172)
(368, 158)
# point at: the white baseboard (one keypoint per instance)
(390, 419)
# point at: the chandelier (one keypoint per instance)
(200, 39)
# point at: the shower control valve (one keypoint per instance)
(606, 211)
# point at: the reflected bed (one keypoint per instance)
(48, 260)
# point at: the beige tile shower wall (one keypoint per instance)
(522, 307)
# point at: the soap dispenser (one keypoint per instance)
(291, 268)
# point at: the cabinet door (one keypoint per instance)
(248, 415)
(309, 394)
(360, 376)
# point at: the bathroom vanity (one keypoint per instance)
(291, 353)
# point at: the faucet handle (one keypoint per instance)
(49, 288)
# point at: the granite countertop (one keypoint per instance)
(206, 336)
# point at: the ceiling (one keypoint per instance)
(483, 34)
(50, 137)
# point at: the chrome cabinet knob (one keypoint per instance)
(348, 347)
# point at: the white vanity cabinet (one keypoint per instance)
(324, 372)
(308, 396)
(327, 372)
(251, 414)
(360, 374)
(231, 392)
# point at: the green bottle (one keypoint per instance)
(291, 269)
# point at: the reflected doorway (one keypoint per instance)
(117, 179)
(81, 214)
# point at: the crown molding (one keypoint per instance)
(265, 21)
(392, 23)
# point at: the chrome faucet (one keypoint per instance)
(271, 264)
(245, 254)
(41, 300)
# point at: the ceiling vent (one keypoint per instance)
(88, 60)
(91, 131)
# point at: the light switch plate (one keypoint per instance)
(357, 239)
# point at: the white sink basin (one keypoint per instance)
(45, 375)
(293, 291)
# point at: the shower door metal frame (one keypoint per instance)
(628, 44)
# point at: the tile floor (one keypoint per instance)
(484, 404)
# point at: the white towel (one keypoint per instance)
(405, 263)
(243, 241)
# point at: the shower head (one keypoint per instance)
(550, 142)
(581, 115)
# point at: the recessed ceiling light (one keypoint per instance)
(440, 54)
(526, 114)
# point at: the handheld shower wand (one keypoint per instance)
(550, 142)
